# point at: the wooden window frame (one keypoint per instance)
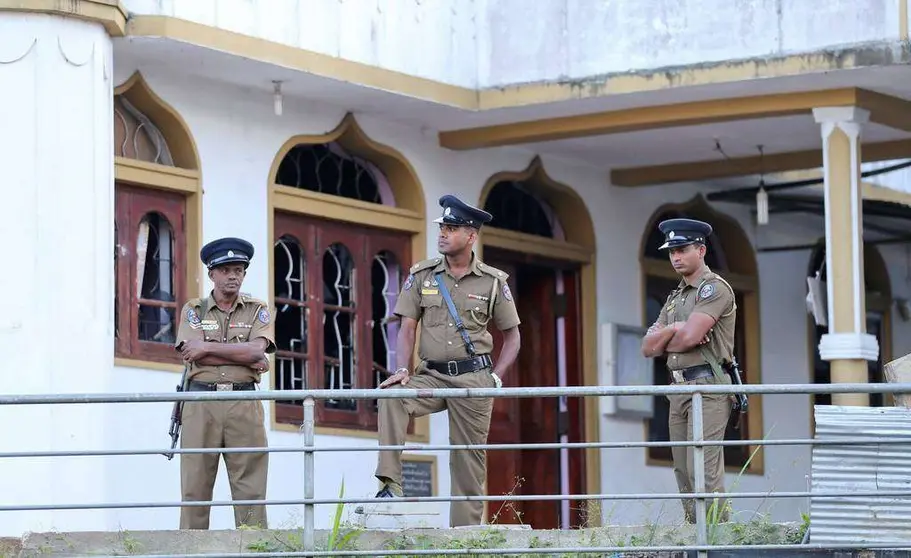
(314, 237)
(131, 205)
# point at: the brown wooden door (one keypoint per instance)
(504, 466)
(528, 420)
(538, 365)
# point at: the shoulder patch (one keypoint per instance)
(193, 316)
(707, 291)
(493, 272)
(409, 282)
(263, 316)
(507, 294)
(425, 264)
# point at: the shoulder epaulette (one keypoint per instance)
(426, 264)
(252, 299)
(493, 272)
(194, 302)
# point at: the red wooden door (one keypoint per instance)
(538, 365)
(529, 420)
(504, 466)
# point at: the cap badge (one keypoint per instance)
(230, 253)
(672, 234)
(448, 211)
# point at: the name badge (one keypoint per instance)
(208, 325)
(430, 291)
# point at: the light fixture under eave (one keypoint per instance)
(762, 206)
(277, 97)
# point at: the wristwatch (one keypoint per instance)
(497, 380)
(405, 370)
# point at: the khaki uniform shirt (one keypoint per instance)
(248, 319)
(710, 295)
(480, 296)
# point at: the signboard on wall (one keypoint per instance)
(419, 475)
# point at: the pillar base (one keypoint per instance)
(848, 346)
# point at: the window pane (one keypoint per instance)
(155, 279)
(156, 324)
(515, 208)
(384, 283)
(338, 323)
(292, 313)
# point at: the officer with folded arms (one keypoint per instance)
(695, 333)
(225, 338)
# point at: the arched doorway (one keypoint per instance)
(348, 221)
(878, 302)
(730, 254)
(541, 234)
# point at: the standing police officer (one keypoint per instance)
(225, 338)
(695, 332)
(453, 298)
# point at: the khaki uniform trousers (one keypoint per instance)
(469, 423)
(223, 424)
(716, 411)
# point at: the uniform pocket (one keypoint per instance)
(434, 310)
(475, 314)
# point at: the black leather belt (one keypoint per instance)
(692, 373)
(221, 386)
(458, 367)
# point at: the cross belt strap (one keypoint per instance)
(455, 315)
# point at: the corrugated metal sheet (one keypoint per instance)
(853, 468)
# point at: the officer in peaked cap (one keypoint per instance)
(681, 232)
(455, 352)
(210, 332)
(458, 213)
(694, 332)
(225, 251)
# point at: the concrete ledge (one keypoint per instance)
(250, 541)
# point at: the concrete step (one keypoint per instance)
(253, 541)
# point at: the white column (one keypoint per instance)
(56, 218)
(847, 344)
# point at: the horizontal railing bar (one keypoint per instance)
(483, 498)
(569, 550)
(451, 393)
(858, 441)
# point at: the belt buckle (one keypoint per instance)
(678, 376)
(452, 368)
(224, 387)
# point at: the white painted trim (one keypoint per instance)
(852, 130)
(844, 346)
(827, 128)
(838, 115)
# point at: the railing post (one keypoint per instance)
(308, 473)
(699, 472)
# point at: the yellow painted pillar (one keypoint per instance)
(847, 345)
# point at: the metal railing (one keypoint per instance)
(309, 449)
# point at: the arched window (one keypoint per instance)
(338, 269)
(730, 254)
(156, 222)
(516, 208)
(878, 303)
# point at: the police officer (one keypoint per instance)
(225, 338)
(454, 297)
(695, 333)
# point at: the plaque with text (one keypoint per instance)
(419, 475)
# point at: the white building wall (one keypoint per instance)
(56, 331)
(492, 43)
